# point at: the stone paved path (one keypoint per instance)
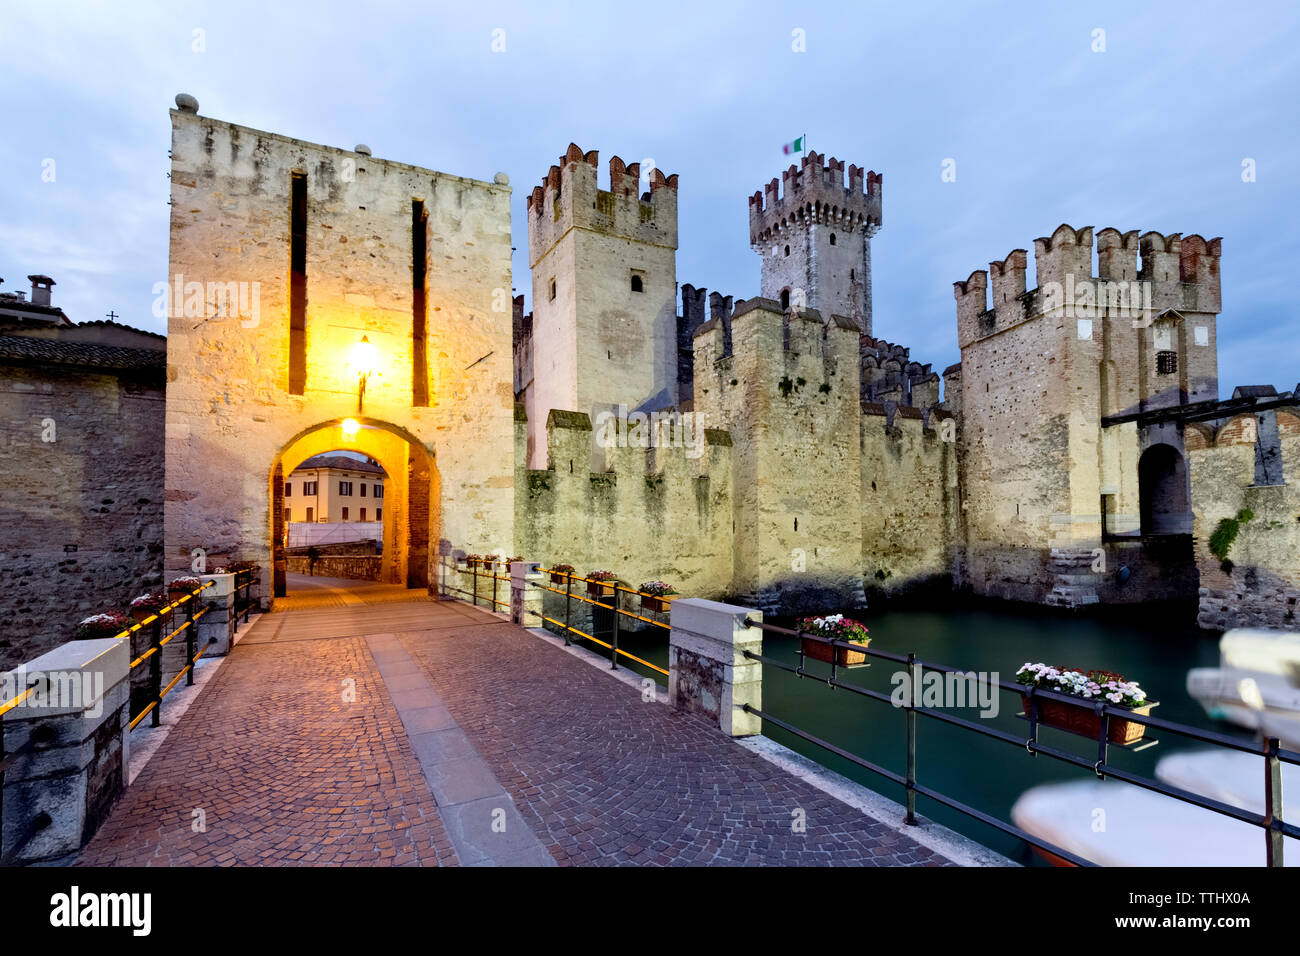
(471, 741)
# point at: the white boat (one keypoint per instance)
(1257, 682)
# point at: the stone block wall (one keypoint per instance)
(656, 513)
(789, 396)
(909, 500)
(82, 514)
(1261, 587)
(1040, 370)
(359, 567)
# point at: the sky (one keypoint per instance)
(1144, 125)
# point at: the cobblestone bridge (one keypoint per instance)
(364, 724)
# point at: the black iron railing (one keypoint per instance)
(1271, 823)
(598, 591)
(606, 595)
(164, 617)
(484, 571)
(245, 581)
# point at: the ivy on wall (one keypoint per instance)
(1225, 535)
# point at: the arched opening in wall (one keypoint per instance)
(1163, 492)
(785, 299)
(353, 500)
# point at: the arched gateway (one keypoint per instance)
(321, 299)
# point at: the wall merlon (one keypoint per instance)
(1117, 254)
(972, 302)
(1066, 251)
(816, 192)
(1008, 277)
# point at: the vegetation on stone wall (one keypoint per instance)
(1225, 535)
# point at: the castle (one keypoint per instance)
(770, 450)
(1080, 454)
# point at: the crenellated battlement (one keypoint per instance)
(1173, 273)
(569, 196)
(816, 191)
(888, 374)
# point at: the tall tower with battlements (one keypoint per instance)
(1073, 461)
(604, 268)
(813, 232)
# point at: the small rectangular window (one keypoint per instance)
(309, 488)
(363, 514)
(379, 514)
(345, 489)
(363, 489)
(345, 514)
(552, 290)
(288, 515)
(379, 491)
(1166, 363)
(311, 515)
(288, 490)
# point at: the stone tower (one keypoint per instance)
(814, 234)
(604, 267)
(1066, 459)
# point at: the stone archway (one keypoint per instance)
(411, 516)
(1163, 491)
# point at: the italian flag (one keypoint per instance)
(795, 147)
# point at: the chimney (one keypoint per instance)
(41, 289)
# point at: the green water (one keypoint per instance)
(989, 775)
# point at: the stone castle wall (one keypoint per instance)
(651, 514)
(788, 394)
(1040, 370)
(82, 514)
(909, 501)
(1261, 587)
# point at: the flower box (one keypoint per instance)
(560, 573)
(839, 628)
(600, 588)
(558, 578)
(139, 614)
(1082, 718)
(843, 656)
(657, 603)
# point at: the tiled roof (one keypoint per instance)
(26, 349)
(342, 462)
(108, 323)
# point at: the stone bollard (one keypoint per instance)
(524, 595)
(708, 672)
(79, 721)
(219, 622)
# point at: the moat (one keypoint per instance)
(1154, 648)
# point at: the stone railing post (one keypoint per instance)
(220, 621)
(58, 792)
(708, 672)
(524, 595)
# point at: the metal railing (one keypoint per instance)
(598, 588)
(44, 733)
(165, 616)
(479, 570)
(487, 572)
(1275, 829)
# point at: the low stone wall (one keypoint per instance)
(361, 567)
(349, 548)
